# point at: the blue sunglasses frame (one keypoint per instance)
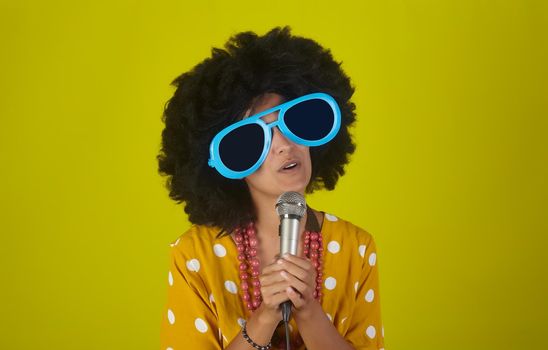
(215, 158)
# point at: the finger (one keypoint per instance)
(303, 263)
(275, 288)
(271, 268)
(271, 278)
(296, 298)
(279, 298)
(296, 283)
(298, 271)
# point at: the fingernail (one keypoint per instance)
(280, 261)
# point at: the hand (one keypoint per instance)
(301, 276)
(273, 290)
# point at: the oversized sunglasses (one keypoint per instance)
(239, 149)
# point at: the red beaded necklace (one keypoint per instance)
(247, 244)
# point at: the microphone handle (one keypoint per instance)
(289, 242)
(289, 234)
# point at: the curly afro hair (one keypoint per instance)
(218, 91)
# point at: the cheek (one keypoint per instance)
(258, 178)
(309, 170)
(306, 156)
(307, 161)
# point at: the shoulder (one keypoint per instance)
(336, 227)
(195, 240)
(348, 241)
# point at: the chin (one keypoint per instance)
(295, 186)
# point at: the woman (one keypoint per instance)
(226, 280)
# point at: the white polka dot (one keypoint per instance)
(331, 217)
(330, 283)
(329, 317)
(219, 250)
(200, 325)
(361, 249)
(334, 247)
(170, 278)
(372, 259)
(176, 242)
(226, 340)
(290, 327)
(231, 287)
(356, 287)
(193, 265)
(241, 322)
(170, 316)
(369, 295)
(170, 348)
(370, 332)
(344, 319)
(211, 298)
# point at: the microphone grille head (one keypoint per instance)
(291, 203)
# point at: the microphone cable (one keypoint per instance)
(286, 315)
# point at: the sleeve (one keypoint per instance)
(366, 331)
(188, 321)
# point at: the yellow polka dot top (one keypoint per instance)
(204, 308)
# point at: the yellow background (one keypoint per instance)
(449, 175)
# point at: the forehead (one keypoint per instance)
(263, 103)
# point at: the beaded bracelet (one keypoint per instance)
(255, 345)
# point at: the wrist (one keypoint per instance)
(313, 310)
(251, 342)
(258, 330)
(264, 318)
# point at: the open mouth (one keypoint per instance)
(289, 166)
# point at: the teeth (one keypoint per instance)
(290, 165)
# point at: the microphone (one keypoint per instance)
(290, 207)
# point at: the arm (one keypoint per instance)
(365, 330)
(263, 322)
(318, 332)
(188, 321)
(315, 328)
(259, 328)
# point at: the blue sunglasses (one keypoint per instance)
(239, 149)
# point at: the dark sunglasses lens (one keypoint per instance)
(241, 148)
(310, 120)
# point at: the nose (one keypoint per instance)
(280, 143)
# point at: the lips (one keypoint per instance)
(290, 164)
